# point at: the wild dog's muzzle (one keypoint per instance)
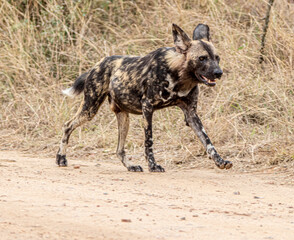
(208, 81)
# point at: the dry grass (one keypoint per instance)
(46, 44)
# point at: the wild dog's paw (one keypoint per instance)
(228, 164)
(61, 160)
(156, 168)
(224, 164)
(135, 169)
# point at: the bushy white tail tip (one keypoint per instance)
(69, 92)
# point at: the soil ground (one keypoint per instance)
(90, 200)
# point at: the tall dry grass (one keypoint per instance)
(46, 44)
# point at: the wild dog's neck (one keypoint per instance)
(175, 60)
(177, 63)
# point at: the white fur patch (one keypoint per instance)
(210, 146)
(203, 130)
(69, 92)
(169, 88)
(210, 149)
(184, 93)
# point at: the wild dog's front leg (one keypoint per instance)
(195, 123)
(147, 110)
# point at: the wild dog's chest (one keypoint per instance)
(170, 89)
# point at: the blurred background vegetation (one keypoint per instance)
(249, 115)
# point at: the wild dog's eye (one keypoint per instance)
(202, 58)
(217, 58)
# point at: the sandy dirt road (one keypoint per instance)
(87, 200)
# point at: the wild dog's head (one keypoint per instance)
(201, 60)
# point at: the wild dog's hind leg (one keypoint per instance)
(147, 110)
(85, 113)
(123, 127)
(81, 117)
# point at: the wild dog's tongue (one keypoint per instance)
(208, 80)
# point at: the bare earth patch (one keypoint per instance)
(87, 200)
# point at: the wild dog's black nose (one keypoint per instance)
(217, 73)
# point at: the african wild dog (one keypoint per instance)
(141, 85)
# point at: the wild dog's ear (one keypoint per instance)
(201, 32)
(181, 39)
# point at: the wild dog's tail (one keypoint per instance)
(78, 86)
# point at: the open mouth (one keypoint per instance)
(206, 81)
